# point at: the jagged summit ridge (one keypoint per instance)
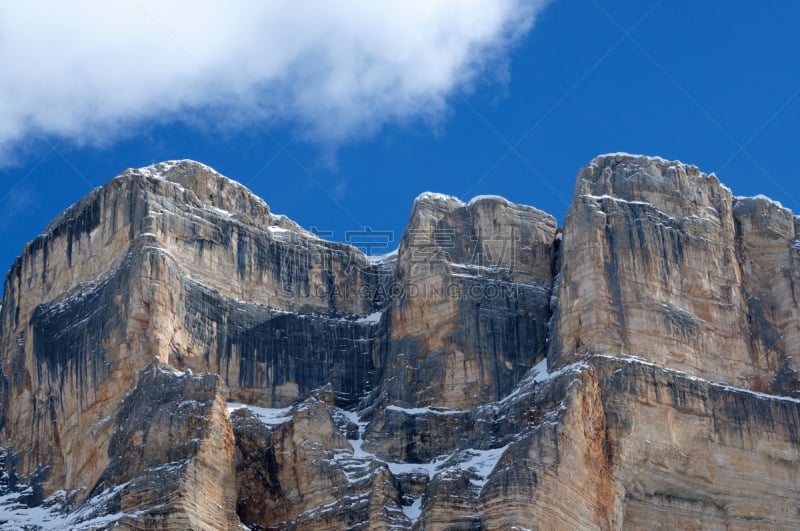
(496, 371)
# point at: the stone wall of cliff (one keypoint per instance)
(174, 355)
(661, 262)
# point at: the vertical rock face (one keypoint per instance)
(496, 372)
(473, 290)
(769, 253)
(661, 262)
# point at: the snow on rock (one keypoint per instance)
(433, 196)
(619, 200)
(487, 197)
(425, 410)
(372, 318)
(51, 516)
(623, 154)
(480, 463)
(15, 514)
(719, 385)
(414, 510)
(268, 416)
(276, 229)
(380, 259)
(761, 197)
(431, 468)
(220, 211)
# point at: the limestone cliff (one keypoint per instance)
(660, 261)
(175, 356)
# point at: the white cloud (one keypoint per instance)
(92, 70)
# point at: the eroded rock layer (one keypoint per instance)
(174, 355)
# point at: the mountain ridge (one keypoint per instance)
(497, 370)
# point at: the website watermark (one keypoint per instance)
(451, 289)
(442, 264)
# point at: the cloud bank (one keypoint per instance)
(91, 71)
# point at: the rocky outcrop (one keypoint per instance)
(699, 455)
(174, 355)
(328, 485)
(171, 457)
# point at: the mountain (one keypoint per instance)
(176, 356)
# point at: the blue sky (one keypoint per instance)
(485, 97)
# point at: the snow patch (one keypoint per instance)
(425, 410)
(414, 510)
(762, 197)
(617, 199)
(540, 373)
(268, 416)
(383, 258)
(756, 394)
(479, 198)
(634, 156)
(396, 468)
(372, 318)
(50, 516)
(481, 463)
(433, 196)
(172, 371)
(222, 212)
(430, 469)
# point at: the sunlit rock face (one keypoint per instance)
(661, 262)
(175, 355)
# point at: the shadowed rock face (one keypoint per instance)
(473, 301)
(410, 391)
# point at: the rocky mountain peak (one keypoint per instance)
(671, 187)
(204, 185)
(637, 365)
